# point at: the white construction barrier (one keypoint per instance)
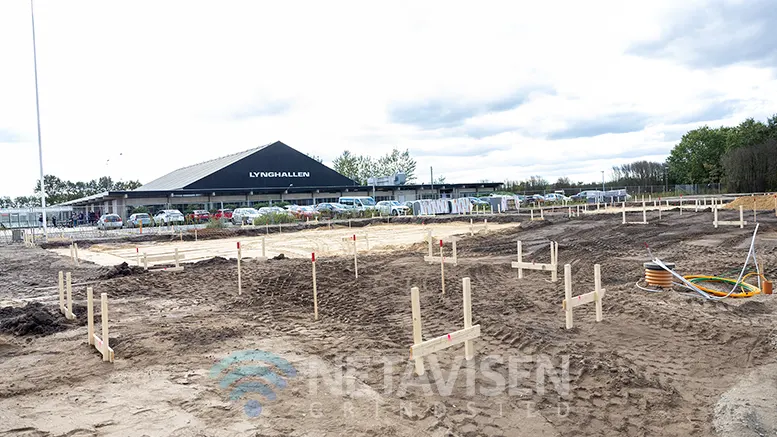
(422, 348)
(596, 296)
(101, 344)
(162, 257)
(741, 223)
(552, 266)
(473, 228)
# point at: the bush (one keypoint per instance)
(216, 224)
(274, 218)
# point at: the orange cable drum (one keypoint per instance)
(656, 276)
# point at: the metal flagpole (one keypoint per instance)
(37, 111)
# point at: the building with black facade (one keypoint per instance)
(271, 173)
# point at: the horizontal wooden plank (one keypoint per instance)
(731, 223)
(583, 299)
(444, 341)
(436, 259)
(165, 257)
(531, 266)
(98, 344)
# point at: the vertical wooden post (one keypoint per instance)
(659, 211)
(75, 247)
(520, 257)
(69, 313)
(106, 339)
(578, 210)
(355, 262)
(137, 255)
(570, 211)
(542, 214)
(598, 290)
(741, 216)
(417, 339)
(72, 253)
(624, 213)
(239, 277)
(469, 349)
(755, 219)
(681, 205)
(442, 268)
(485, 226)
(177, 262)
(145, 261)
(429, 242)
(195, 234)
(568, 294)
(644, 212)
(61, 292)
(315, 290)
(90, 314)
(554, 261)
(532, 214)
(715, 217)
(455, 254)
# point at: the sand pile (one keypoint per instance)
(761, 203)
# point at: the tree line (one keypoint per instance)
(742, 158)
(59, 191)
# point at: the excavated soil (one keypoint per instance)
(766, 202)
(659, 364)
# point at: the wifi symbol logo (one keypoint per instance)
(253, 371)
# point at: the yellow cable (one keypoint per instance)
(748, 290)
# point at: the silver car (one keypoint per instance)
(109, 221)
(245, 216)
(136, 220)
(169, 216)
(391, 207)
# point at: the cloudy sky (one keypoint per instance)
(479, 90)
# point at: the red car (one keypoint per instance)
(199, 216)
(223, 214)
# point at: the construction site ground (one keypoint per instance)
(659, 364)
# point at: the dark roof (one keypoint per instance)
(186, 176)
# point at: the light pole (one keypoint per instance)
(37, 112)
(603, 183)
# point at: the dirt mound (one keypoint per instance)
(215, 261)
(279, 256)
(122, 269)
(767, 203)
(32, 319)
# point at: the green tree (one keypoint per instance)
(696, 159)
(362, 167)
(347, 164)
(563, 182)
(747, 133)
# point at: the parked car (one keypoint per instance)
(198, 216)
(136, 220)
(478, 203)
(584, 195)
(168, 216)
(223, 214)
(109, 221)
(359, 203)
(336, 208)
(307, 212)
(536, 199)
(391, 207)
(556, 197)
(245, 216)
(275, 210)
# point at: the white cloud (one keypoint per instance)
(168, 84)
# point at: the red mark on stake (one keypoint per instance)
(238, 245)
(313, 256)
(449, 337)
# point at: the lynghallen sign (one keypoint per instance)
(279, 174)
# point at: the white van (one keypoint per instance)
(360, 203)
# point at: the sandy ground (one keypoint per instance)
(659, 364)
(324, 242)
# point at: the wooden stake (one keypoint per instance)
(145, 261)
(61, 292)
(90, 314)
(715, 217)
(568, 294)
(598, 290)
(554, 261)
(624, 213)
(72, 251)
(520, 256)
(239, 276)
(315, 290)
(137, 255)
(442, 268)
(472, 232)
(741, 216)
(644, 212)
(75, 247)
(355, 262)
(106, 351)
(417, 339)
(455, 255)
(469, 348)
(69, 314)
